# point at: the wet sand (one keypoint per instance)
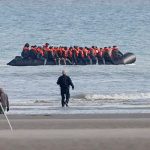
(72, 132)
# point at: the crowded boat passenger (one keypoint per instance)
(74, 55)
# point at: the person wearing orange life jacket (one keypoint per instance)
(51, 55)
(26, 51)
(69, 54)
(64, 55)
(59, 52)
(115, 48)
(40, 53)
(64, 52)
(46, 47)
(99, 56)
(80, 58)
(86, 57)
(92, 56)
(96, 50)
(116, 54)
(107, 55)
(110, 51)
(103, 51)
(56, 53)
(46, 50)
(33, 52)
(26, 47)
(74, 55)
(85, 54)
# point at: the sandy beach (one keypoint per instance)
(71, 132)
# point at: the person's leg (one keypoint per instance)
(1, 111)
(67, 97)
(62, 98)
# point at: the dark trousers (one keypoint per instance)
(65, 95)
(1, 111)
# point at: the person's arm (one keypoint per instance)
(7, 103)
(4, 101)
(58, 81)
(0, 100)
(71, 83)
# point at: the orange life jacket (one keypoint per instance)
(46, 49)
(26, 49)
(115, 49)
(69, 53)
(33, 48)
(100, 53)
(40, 51)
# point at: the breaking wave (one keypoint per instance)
(121, 96)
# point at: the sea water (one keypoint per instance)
(98, 88)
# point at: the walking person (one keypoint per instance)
(4, 101)
(65, 82)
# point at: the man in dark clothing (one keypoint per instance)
(65, 81)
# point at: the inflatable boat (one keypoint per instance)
(127, 58)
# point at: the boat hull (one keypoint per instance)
(127, 58)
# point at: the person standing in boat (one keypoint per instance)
(116, 51)
(65, 82)
(26, 51)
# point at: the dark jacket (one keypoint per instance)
(4, 100)
(65, 81)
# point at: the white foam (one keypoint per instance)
(122, 96)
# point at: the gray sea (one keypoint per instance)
(98, 88)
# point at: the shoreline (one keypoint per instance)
(79, 131)
(78, 116)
